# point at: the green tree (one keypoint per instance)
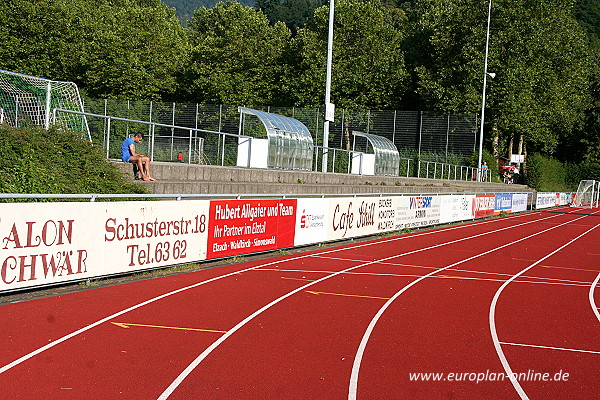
(445, 54)
(537, 52)
(236, 56)
(185, 8)
(586, 144)
(368, 62)
(543, 68)
(41, 37)
(128, 48)
(135, 53)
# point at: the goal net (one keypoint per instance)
(30, 101)
(587, 195)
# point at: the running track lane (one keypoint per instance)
(452, 348)
(83, 361)
(292, 348)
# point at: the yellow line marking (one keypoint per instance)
(575, 269)
(127, 325)
(298, 279)
(348, 295)
(470, 278)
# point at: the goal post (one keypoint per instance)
(587, 195)
(28, 101)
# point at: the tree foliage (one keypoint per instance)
(415, 55)
(537, 52)
(130, 48)
(368, 63)
(236, 56)
(185, 8)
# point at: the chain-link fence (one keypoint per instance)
(446, 140)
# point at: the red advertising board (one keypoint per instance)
(483, 205)
(248, 226)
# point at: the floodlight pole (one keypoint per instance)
(485, 74)
(328, 86)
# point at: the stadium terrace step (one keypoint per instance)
(179, 178)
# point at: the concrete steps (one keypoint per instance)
(179, 178)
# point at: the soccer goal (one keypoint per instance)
(29, 101)
(588, 194)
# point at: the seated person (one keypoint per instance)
(128, 154)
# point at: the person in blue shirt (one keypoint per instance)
(129, 155)
(484, 171)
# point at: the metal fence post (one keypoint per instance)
(172, 132)
(394, 127)
(447, 135)
(220, 116)
(152, 140)
(17, 112)
(149, 127)
(107, 137)
(190, 149)
(420, 133)
(127, 124)
(48, 100)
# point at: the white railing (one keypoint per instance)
(185, 144)
(191, 138)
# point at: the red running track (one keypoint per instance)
(499, 309)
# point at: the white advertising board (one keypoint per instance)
(565, 199)
(351, 217)
(519, 202)
(546, 199)
(44, 243)
(417, 211)
(455, 208)
(311, 221)
(47, 243)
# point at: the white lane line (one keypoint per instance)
(169, 390)
(103, 320)
(353, 385)
(526, 278)
(592, 301)
(492, 315)
(117, 314)
(550, 347)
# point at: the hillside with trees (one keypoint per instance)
(412, 55)
(185, 8)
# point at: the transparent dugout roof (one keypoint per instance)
(387, 158)
(290, 141)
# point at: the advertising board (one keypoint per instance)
(249, 226)
(454, 208)
(43, 243)
(547, 199)
(519, 202)
(484, 205)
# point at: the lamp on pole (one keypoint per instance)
(329, 107)
(485, 74)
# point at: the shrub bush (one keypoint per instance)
(40, 161)
(547, 174)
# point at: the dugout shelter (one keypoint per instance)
(277, 142)
(383, 160)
